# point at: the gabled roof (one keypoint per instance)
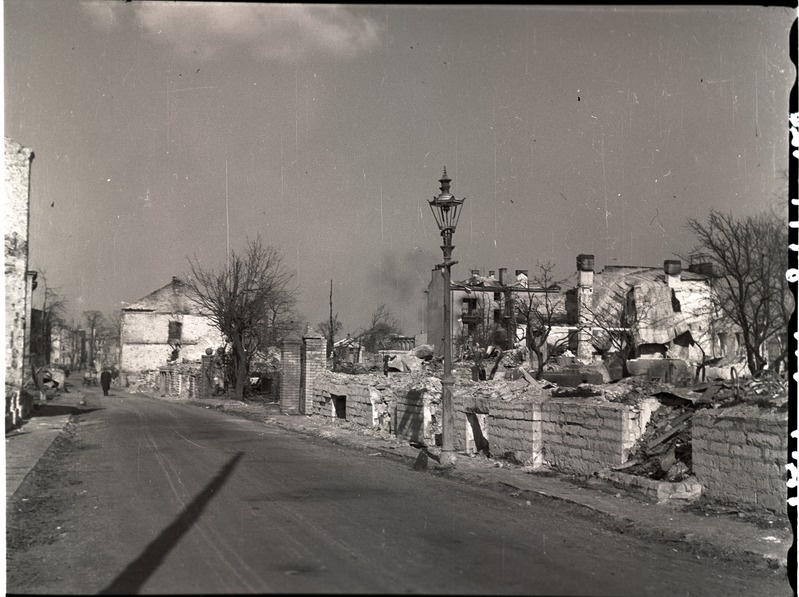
(172, 298)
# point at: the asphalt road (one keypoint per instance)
(154, 497)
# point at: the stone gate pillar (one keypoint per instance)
(205, 386)
(314, 361)
(585, 297)
(290, 376)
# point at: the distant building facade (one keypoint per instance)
(19, 281)
(485, 309)
(153, 326)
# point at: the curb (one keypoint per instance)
(614, 520)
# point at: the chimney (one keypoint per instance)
(503, 274)
(475, 272)
(585, 270)
(585, 294)
(585, 262)
(673, 269)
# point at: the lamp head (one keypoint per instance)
(446, 208)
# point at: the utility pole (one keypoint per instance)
(330, 329)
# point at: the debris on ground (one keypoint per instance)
(663, 452)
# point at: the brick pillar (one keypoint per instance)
(290, 376)
(314, 361)
(585, 297)
(205, 388)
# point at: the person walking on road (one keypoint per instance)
(105, 381)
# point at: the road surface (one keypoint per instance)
(148, 496)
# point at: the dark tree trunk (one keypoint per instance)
(239, 368)
(539, 357)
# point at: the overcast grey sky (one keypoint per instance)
(327, 127)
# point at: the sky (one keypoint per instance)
(166, 131)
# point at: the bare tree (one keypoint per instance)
(538, 311)
(750, 258)
(109, 335)
(94, 321)
(325, 327)
(382, 326)
(53, 312)
(250, 300)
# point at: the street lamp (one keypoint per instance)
(446, 209)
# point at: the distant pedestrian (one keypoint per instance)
(105, 381)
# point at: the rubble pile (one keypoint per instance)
(507, 389)
(631, 390)
(664, 450)
(584, 390)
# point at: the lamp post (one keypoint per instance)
(446, 210)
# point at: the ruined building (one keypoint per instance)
(663, 313)
(153, 326)
(19, 281)
(647, 312)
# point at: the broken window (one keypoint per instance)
(339, 406)
(477, 433)
(175, 331)
(722, 343)
(675, 302)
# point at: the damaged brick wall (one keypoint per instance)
(584, 436)
(362, 399)
(17, 202)
(739, 456)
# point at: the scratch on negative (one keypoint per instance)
(188, 440)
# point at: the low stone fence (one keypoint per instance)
(739, 456)
(587, 435)
(417, 409)
(179, 382)
(516, 430)
(738, 453)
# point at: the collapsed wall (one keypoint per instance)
(739, 456)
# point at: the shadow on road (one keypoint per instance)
(131, 579)
(55, 410)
